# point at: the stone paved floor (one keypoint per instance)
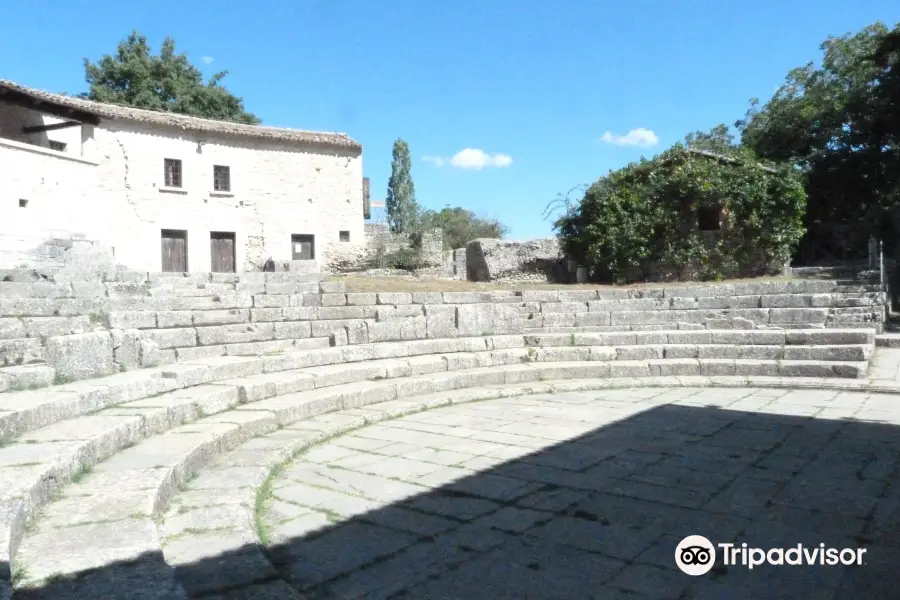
(587, 495)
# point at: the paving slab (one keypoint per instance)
(698, 464)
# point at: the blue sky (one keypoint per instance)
(522, 92)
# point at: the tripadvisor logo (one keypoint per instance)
(696, 555)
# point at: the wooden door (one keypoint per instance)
(303, 247)
(174, 251)
(221, 248)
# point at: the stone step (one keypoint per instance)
(26, 377)
(27, 410)
(887, 340)
(136, 482)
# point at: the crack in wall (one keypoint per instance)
(128, 199)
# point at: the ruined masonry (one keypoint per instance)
(145, 382)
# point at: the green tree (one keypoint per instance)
(461, 226)
(647, 215)
(838, 122)
(133, 76)
(400, 203)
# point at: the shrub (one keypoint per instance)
(407, 259)
(645, 216)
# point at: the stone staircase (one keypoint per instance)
(100, 459)
(107, 481)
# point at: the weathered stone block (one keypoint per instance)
(235, 334)
(292, 330)
(798, 316)
(172, 338)
(540, 296)
(466, 297)
(133, 319)
(37, 289)
(250, 288)
(440, 321)
(333, 299)
(346, 312)
(221, 317)
(384, 331)
(427, 297)
(357, 332)
(271, 301)
(174, 318)
(308, 300)
(121, 288)
(647, 317)
(558, 319)
(56, 326)
(88, 289)
(21, 351)
(361, 299)
(394, 298)
(577, 295)
(683, 303)
(198, 352)
(11, 328)
(282, 288)
(266, 314)
(25, 377)
(332, 287)
(81, 356)
(404, 311)
(564, 307)
(127, 348)
(474, 319)
(591, 319)
(299, 313)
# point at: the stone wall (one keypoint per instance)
(454, 263)
(108, 186)
(511, 260)
(380, 241)
(85, 328)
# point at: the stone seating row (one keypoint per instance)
(51, 436)
(242, 428)
(22, 411)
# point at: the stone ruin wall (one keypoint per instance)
(90, 328)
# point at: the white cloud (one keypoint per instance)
(641, 137)
(472, 159)
(208, 59)
(476, 159)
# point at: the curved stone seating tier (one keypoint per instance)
(64, 331)
(154, 428)
(242, 442)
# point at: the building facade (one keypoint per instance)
(169, 192)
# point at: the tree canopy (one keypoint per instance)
(133, 76)
(461, 226)
(839, 123)
(400, 202)
(650, 214)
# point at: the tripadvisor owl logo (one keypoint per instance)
(695, 555)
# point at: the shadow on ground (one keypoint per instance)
(599, 516)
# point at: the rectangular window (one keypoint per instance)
(345, 236)
(709, 218)
(173, 172)
(58, 146)
(221, 178)
(303, 247)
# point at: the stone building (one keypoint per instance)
(169, 192)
